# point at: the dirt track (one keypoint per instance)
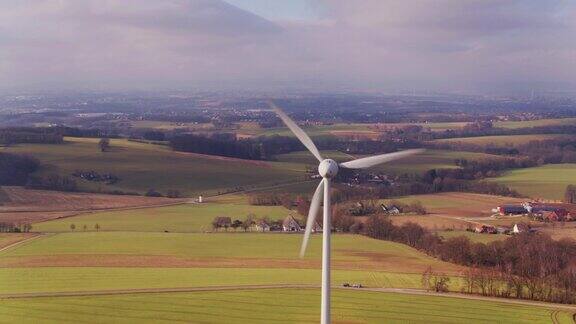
(14, 244)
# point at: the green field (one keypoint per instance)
(312, 131)
(143, 166)
(179, 218)
(535, 123)
(271, 306)
(242, 250)
(346, 129)
(430, 159)
(305, 157)
(503, 140)
(548, 181)
(70, 279)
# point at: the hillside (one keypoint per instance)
(141, 167)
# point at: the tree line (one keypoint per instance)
(15, 169)
(261, 148)
(528, 265)
(14, 228)
(11, 136)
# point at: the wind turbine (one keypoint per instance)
(328, 169)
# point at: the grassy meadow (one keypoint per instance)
(241, 250)
(548, 181)
(272, 306)
(94, 279)
(143, 166)
(420, 163)
(503, 140)
(178, 218)
(535, 123)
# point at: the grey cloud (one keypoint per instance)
(445, 44)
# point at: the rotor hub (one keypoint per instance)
(328, 168)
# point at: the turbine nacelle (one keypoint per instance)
(328, 168)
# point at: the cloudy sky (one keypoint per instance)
(446, 45)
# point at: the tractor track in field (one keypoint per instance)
(409, 291)
(554, 317)
(26, 240)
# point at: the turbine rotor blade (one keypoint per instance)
(314, 208)
(300, 134)
(371, 161)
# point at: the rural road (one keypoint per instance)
(253, 287)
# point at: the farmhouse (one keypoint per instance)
(486, 229)
(520, 228)
(512, 210)
(392, 209)
(560, 212)
(222, 221)
(262, 226)
(316, 228)
(290, 224)
(549, 216)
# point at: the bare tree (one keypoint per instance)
(104, 144)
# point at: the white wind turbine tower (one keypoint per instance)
(328, 169)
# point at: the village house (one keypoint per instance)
(512, 210)
(316, 228)
(290, 224)
(520, 228)
(485, 229)
(261, 226)
(550, 211)
(550, 216)
(392, 209)
(222, 221)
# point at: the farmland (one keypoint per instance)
(474, 237)
(22, 200)
(99, 279)
(458, 204)
(535, 123)
(179, 218)
(444, 210)
(280, 305)
(420, 163)
(372, 131)
(504, 140)
(351, 252)
(548, 181)
(7, 239)
(143, 166)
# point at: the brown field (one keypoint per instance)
(33, 217)
(452, 210)
(244, 250)
(7, 239)
(371, 135)
(432, 221)
(459, 204)
(560, 230)
(374, 261)
(25, 200)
